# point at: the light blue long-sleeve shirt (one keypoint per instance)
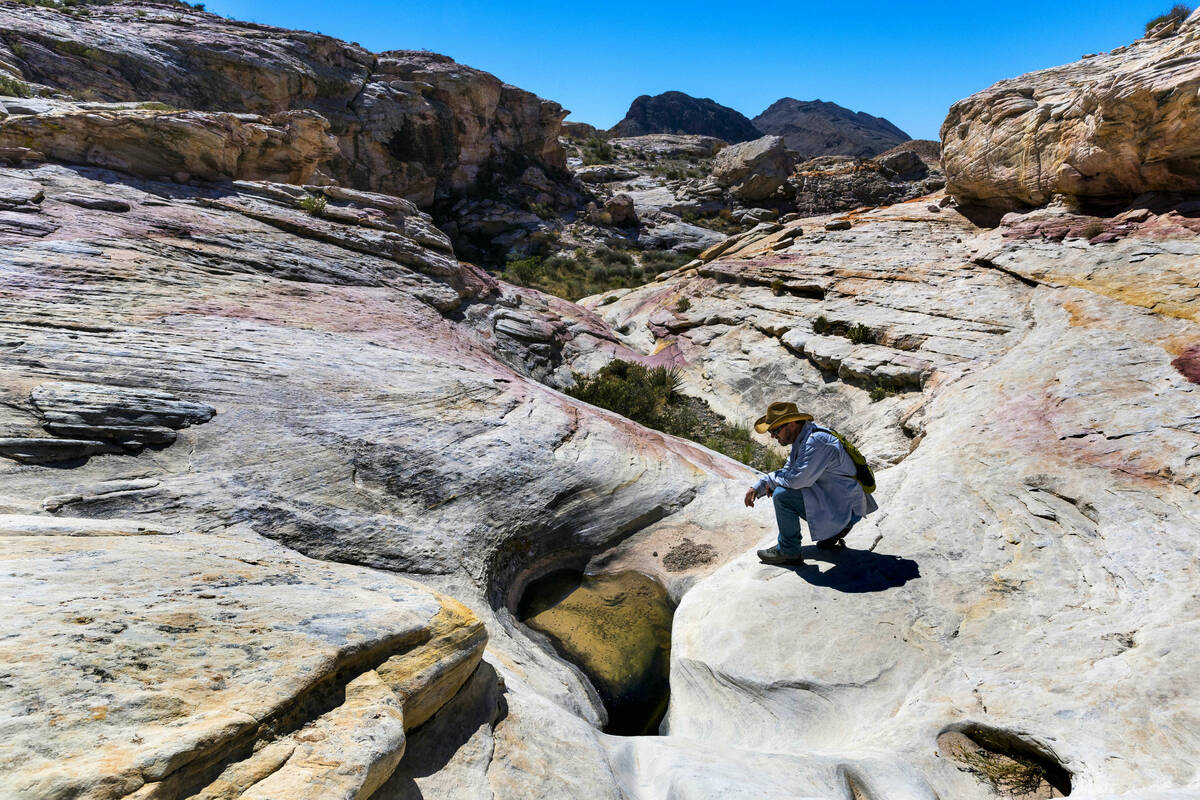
(821, 469)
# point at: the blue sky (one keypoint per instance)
(904, 61)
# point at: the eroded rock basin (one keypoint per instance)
(616, 627)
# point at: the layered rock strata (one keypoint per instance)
(412, 124)
(1108, 128)
(182, 145)
(336, 412)
(1046, 410)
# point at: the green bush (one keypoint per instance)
(542, 210)
(597, 151)
(581, 273)
(861, 334)
(1178, 11)
(881, 392)
(313, 204)
(610, 257)
(664, 260)
(651, 396)
(683, 305)
(821, 325)
(11, 87)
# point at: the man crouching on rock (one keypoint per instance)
(817, 484)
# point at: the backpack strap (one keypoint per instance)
(862, 470)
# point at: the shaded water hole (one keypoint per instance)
(616, 628)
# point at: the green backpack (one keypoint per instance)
(862, 472)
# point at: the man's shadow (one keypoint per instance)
(856, 571)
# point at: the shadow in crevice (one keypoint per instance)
(1014, 763)
(856, 571)
(478, 704)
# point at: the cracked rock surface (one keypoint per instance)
(335, 429)
(1029, 569)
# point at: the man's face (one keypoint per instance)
(786, 434)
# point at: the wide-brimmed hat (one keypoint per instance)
(779, 414)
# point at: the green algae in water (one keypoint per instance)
(617, 629)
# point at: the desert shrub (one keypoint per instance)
(577, 275)
(609, 257)
(313, 204)
(1008, 773)
(1178, 11)
(11, 87)
(154, 105)
(777, 288)
(542, 210)
(860, 334)
(1094, 228)
(821, 325)
(597, 151)
(663, 260)
(651, 396)
(525, 271)
(683, 305)
(881, 392)
(632, 390)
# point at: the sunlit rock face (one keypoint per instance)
(276, 469)
(1030, 563)
(1111, 126)
(244, 420)
(413, 124)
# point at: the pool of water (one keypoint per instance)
(616, 628)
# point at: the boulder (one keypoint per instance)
(621, 210)
(1110, 127)
(178, 651)
(754, 170)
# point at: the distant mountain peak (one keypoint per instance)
(677, 112)
(824, 128)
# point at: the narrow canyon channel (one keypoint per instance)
(616, 628)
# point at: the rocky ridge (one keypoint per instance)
(819, 128)
(676, 112)
(411, 124)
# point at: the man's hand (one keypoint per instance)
(751, 495)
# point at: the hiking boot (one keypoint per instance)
(772, 556)
(834, 542)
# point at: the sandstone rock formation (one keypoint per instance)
(276, 468)
(412, 124)
(1109, 127)
(1045, 409)
(285, 147)
(676, 112)
(754, 170)
(322, 401)
(820, 128)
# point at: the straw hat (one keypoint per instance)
(778, 415)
